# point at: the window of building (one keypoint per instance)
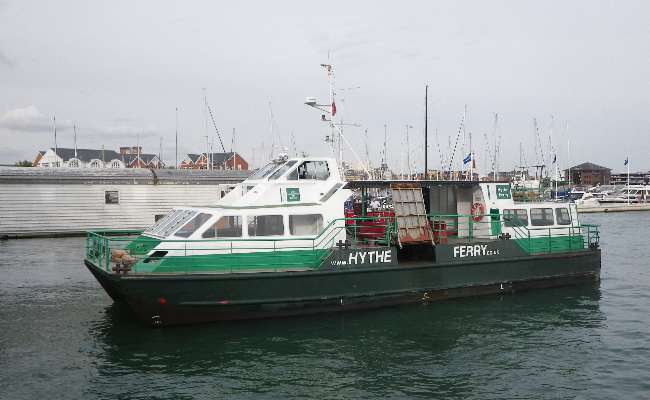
(95, 164)
(111, 197)
(265, 225)
(541, 216)
(311, 224)
(73, 163)
(226, 226)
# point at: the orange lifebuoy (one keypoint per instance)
(477, 210)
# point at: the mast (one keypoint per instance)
(176, 165)
(56, 150)
(271, 131)
(426, 120)
(408, 153)
(74, 128)
(568, 149)
(464, 123)
(205, 131)
(232, 150)
(385, 164)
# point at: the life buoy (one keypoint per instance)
(477, 210)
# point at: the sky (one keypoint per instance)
(531, 81)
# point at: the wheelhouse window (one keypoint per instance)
(282, 170)
(225, 227)
(265, 171)
(314, 170)
(111, 197)
(541, 216)
(265, 225)
(170, 222)
(193, 225)
(515, 217)
(300, 225)
(562, 216)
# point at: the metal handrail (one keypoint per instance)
(100, 243)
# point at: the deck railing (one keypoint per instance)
(531, 239)
(273, 254)
(269, 254)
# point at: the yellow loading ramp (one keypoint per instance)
(410, 214)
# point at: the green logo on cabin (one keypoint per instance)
(293, 194)
(503, 192)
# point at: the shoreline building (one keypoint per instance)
(70, 201)
(223, 161)
(588, 174)
(128, 157)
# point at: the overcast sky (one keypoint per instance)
(118, 71)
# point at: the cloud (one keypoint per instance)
(26, 119)
(119, 132)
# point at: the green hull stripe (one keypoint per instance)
(267, 261)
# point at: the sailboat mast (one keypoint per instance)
(176, 165)
(205, 131)
(56, 150)
(426, 119)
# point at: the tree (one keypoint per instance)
(24, 163)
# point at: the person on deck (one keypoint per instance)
(374, 204)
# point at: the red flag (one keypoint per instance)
(473, 164)
(333, 109)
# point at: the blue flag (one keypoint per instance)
(554, 158)
(467, 159)
(625, 163)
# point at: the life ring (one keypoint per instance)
(477, 210)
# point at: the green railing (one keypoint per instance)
(108, 248)
(528, 194)
(531, 239)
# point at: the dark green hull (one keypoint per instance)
(177, 299)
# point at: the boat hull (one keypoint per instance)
(178, 299)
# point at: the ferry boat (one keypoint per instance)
(282, 243)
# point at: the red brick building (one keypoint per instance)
(588, 174)
(232, 161)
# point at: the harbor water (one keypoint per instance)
(62, 337)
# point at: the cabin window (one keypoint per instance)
(265, 225)
(192, 225)
(562, 216)
(515, 217)
(281, 170)
(541, 216)
(170, 222)
(311, 224)
(331, 192)
(111, 197)
(226, 226)
(264, 171)
(317, 170)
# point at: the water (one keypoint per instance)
(62, 337)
